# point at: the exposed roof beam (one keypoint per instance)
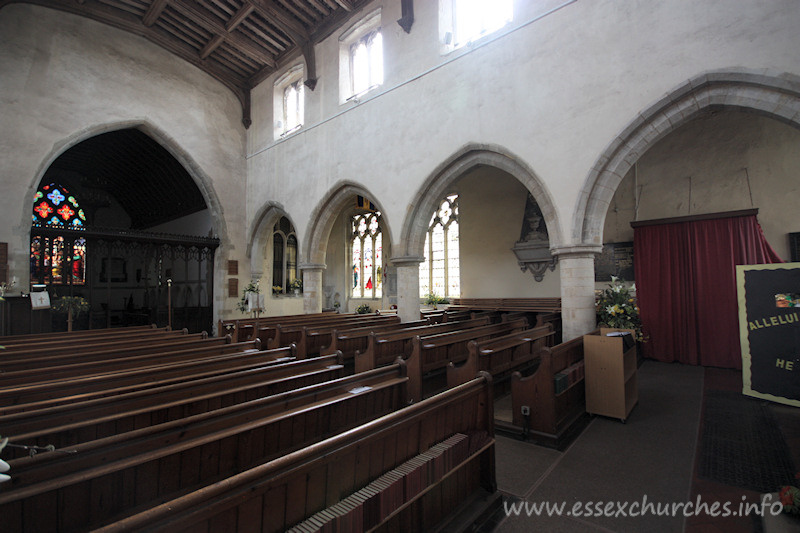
(296, 32)
(239, 17)
(204, 20)
(153, 12)
(347, 5)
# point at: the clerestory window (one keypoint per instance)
(361, 57)
(289, 102)
(464, 21)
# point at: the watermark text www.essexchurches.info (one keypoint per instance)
(645, 508)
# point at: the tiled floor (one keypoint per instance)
(653, 454)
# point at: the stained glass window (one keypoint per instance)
(59, 260)
(53, 205)
(439, 273)
(284, 254)
(367, 255)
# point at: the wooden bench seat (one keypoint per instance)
(124, 359)
(243, 328)
(80, 338)
(430, 353)
(277, 495)
(500, 356)
(36, 395)
(286, 334)
(350, 340)
(70, 424)
(107, 477)
(553, 417)
(384, 348)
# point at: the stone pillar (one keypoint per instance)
(576, 264)
(312, 287)
(407, 272)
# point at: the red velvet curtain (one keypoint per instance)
(686, 286)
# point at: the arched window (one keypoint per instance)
(440, 273)
(284, 254)
(57, 259)
(367, 255)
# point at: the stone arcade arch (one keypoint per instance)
(407, 256)
(201, 180)
(315, 241)
(773, 95)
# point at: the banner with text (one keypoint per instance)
(769, 325)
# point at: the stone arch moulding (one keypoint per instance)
(324, 215)
(775, 96)
(200, 178)
(261, 231)
(436, 186)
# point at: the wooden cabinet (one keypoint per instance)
(611, 383)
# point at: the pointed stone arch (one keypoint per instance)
(430, 194)
(325, 214)
(202, 180)
(773, 95)
(261, 232)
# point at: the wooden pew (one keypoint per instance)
(106, 478)
(268, 331)
(350, 340)
(553, 418)
(277, 495)
(124, 359)
(383, 348)
(71, 424)
(286, 334)
(48, 356)
(547, 304)
(242, 329)
(312, 339)
(434, 352)
(37, 395)
(500, 356)
(79, 338)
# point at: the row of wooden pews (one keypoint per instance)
(172, 434)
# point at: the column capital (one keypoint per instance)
(312, 266)
(581, 250)
(406, 260)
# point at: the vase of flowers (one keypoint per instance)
(616, 308)
(296, 285)
(72, 306)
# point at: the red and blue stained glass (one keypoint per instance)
(54, 206)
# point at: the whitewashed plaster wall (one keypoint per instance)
(492, 209)
(730, 157)
(552, 91)
(65, 78)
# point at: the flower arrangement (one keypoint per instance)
(72, 306)
(790, 497)
(247, 303)
(5, 287)
(296, 284)
(277, 289)
(363, 309)
(434, 299)
(616, 308)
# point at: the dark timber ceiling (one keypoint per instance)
(131, 168)
(238, 42)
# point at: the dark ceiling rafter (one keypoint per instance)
(238, 42)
